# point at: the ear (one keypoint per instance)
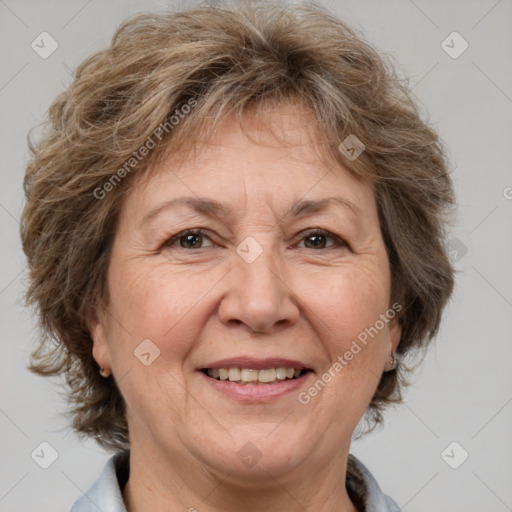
(98, 331)
(395, 333)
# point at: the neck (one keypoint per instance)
(181, 484)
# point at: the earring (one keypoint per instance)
(394, 361)
(104, 373)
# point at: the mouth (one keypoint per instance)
(246, 387)
(251, 380)
(254, 376)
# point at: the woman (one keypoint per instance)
(234, 227)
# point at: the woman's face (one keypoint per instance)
(254, 287)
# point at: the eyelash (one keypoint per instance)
(304, 234)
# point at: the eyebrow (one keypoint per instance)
(304, 206)
(213, 208)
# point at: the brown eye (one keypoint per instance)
(190, 239)
(318, 239)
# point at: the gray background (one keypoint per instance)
(463, 390)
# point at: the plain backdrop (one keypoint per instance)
(463, 391)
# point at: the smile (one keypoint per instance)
(247, 387)
(254, 376)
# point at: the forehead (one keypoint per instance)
(273, 159)
(294, 132)
(286, 136)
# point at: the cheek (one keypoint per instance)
(349, 300)
(159, 305)
(347, 319)
(162, 304)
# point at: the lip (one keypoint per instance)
(257, 364)
(256, 393)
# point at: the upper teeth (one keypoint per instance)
(252, 375)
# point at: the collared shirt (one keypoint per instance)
(105, 494)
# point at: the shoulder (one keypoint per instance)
(364, 490)
(105, 494)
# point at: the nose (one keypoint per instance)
(258, 296)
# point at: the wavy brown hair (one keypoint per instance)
(254, 56)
